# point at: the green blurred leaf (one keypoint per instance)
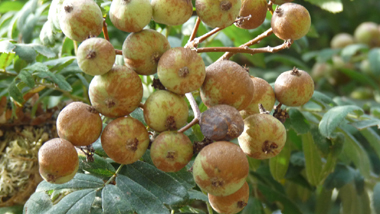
(351, 50)
(322, 99)
(254, 206)
(373, 139)
(19, 64)
(333, 6)
(6, 47)
(364, 124)
(98, 167)
(114, 201)
(38, 202)
(360, 77)
(27, 29)
(341, 176)
(25, 52)
(26, 78)
(288, 60)
(80, 181)
(298, 121)
(26, 10)
(374, 60)
(7, 6)
(76, 202)
(313, 162)
(197, 195)
(184, 177)
(15, 93)
(350, 203)
(323, 203)
(279, 164)
(6, 59)
(56, 78)
(376, 198)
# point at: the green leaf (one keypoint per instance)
(98, 167)
(76, 202)
(19, 64)
(364, 124)
(360, 77)
(139, 115)
(313, 162)
(142, 200)
(376, 198)
(323, 203)
(56, 78)
(38, 202)
(27, 29)
(336, 116)
(333, 6)
(26, 78)
(28, 8)
(10, 6)
(374, 60)
(373, 139)
(322, 143)
(114, 201)
(288, 60)
(80, 181)
(25, 52)
(322, 99)
(184, 177)
(45, 51)
(197, 195)
(298, 121)
(351, 50)
(341, 176)
(15, 93)
(6, 59)
(6, 47)
(279, 164)
(59, 64)
(254, 206)
(349, 198)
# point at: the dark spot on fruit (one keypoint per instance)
(269, 147)
(132, 144)
(156, 57)
(92, 110)
(241, 204)
(91, 54)
(183, 72)
(68, 8)
(217, 182)
(225, 5)
(170, 123)
(171, 155)
(110, 103)
(50, 177)
(279, 11)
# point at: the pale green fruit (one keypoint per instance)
(130, 15)
(342, 40)
(54, 11)
(172, 12)
(257, 9)
(368, 33)
(263, 94)
(218, 13)
(321, 70)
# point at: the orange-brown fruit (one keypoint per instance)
(227, 83)
(116, 93)
(58, 161)
(256, 9)
(230, 204)
(294, 88)
(79, 123)
(220, 168)
(218, 13)
(171, 151)
(221, 122)
(125, 140)
(291, 21)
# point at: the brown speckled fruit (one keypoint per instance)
(263, 137)
(220, 168)
(58, 161)
(221, 122)
(164, 110)
(125, 140)
(230, 204)
(172, 12)
(290, 21)
(79, 123)
(218, 13)
(116, 93)
(227, 83)
(171, 151)
(294, 88)
(257, 9)
(181, 70)
(80, 19)
(143, 50)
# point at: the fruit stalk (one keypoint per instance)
(195, 29)
(105, 31)
(196, 41)
(197, 112)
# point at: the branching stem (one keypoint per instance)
(194, 43)
(197, 112)
(118, 52)
(114, 175)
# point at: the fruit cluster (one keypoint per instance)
(225, 87)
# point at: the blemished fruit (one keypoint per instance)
(294, 88)
(80, 19)
(220, 168)
(181, 70)
(79, 123)
(58, 161)
(221, 122)
(263, 94)
(172, 12)
(230, 204)
(368, 33)
(130, 15)
(218, 13)
(291, 21)
(164, 110)
(96, 56)
(342, 40)
(263, 137)
(143, 50)
(227, 83)
(116, 93)
(125, 140)
(257, 9)
(171, 151)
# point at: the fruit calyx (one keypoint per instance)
(269, 147)
(183, 72)
(68, 8)
(110, 103)
(171, 155)
(92, 110)
(295, 72)
(91, 55)
(279, 11)
(217, 182)
(241, 204)
(225, 5)
(262, 109)
(170, 123)
(132, 144)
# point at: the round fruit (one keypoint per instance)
(125, 140)
(171, 151)
(181, 70)
(341, 40)
(96, 56)
(54, 11)
(257, 9)
(368, 33)
(290, 21)
(130, 15)
(263, 94)
(81, 19)
(79, 123)
(220, 168)
(321, 70)
(218, 13)
(172, 12)
(116, 93)
(263, 137)
(294, 88)
(58, 161)
(230, 204)
(142, 51)
(227, 83)
(221, 122)
(164, 110)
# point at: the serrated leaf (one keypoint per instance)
(6, 47)
(38, 202)
(197, 195)
(98, 167)
(336, 116)
(142, 200)
(313, 162)
(56, 78)
(80, 181)
(26, 78)
(298, 121)
(254, 206)
(14, 92)
(76, 202)
(333, 6)
(279, 164)
(114, 201)
(139, 115)
(374, 60)
(322, 143)
(6, 59)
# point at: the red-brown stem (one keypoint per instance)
(141, 105)
(197, 112)
(105, 31)
(189, 125)
(247, 44)
(270, 7)
(195, 29)
(118, 52)
(196, 41)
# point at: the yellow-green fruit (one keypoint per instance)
(368, 33)
(290, 21)
(172, 12)
(256, 9)
(181, 70)
(230, 204)
(321, 70)
(263, 94)
(58, 161)
(263, 137)
(171, 151)
(125, 140)
(218, 13)
(79, 123)
(220, 168)
(342, 40)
